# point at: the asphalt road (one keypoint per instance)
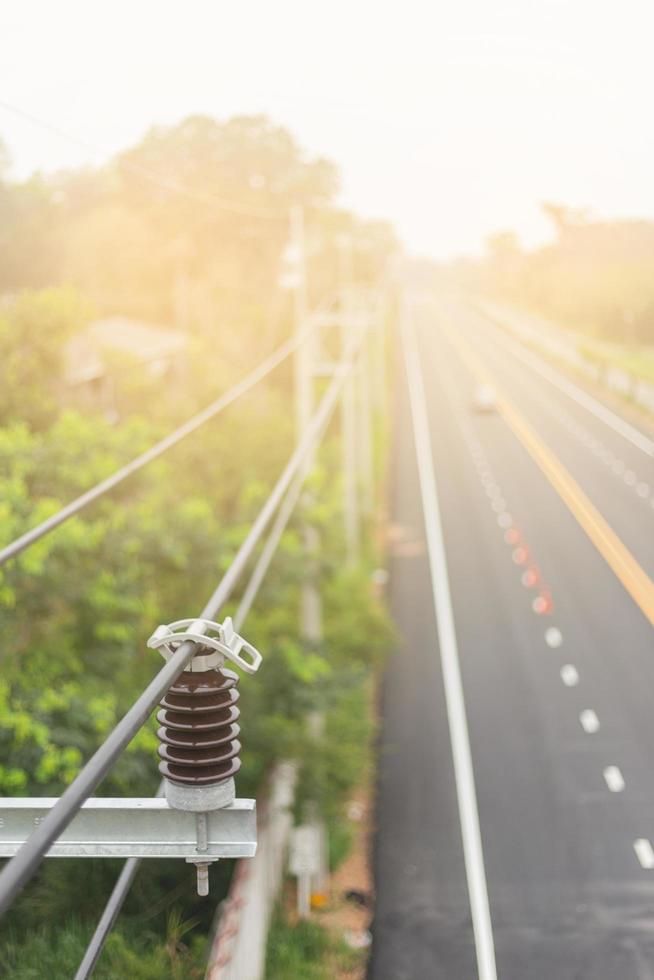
(556, 662)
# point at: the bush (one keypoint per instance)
(305, 951)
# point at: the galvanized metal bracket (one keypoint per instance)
(141, 828)
(221, 638)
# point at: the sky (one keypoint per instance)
(451, 119)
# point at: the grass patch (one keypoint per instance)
(306, 950)
(635, 361)
(138, 954)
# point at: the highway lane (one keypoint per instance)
(561, 733)
(617, 475)
(423, 914)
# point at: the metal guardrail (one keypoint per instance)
(561, 345)
(238, 949)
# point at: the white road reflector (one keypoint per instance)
(589, 721)
(553, 637)
(644, 852)
(569, 675)
(614, 779)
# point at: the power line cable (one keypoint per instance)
(166, 183)
(18, 871)
(128, 873)
(75, 506)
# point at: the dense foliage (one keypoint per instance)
(596, 276)
(76, 608)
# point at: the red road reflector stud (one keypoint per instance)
(542, 604)
(520, 556)
(530, 577)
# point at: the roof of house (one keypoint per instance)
(143, 342)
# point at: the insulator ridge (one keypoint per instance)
(199, 728)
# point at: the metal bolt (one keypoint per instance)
(203, 879)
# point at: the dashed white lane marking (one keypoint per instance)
(570, 675)
(618, 467)
(464, 778)
(644, 852)
(553, 637)
(589, 721)
(614, 779)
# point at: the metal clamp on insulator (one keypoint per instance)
(221, 638)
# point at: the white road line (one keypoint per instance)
(614, 779)
(589, 721)
(592, 405)
(644, 852)
(449, 657)
(569, 675)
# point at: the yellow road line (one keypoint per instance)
(635, 580)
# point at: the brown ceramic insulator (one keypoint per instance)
(199, 729)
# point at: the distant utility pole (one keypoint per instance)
(348, 407)
(305, 362)
(366, 461)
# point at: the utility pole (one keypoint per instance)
(305, 358)
(366, 462)
(314, 883)
(348, 408)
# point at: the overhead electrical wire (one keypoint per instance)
(126, 878)
(15, 547)
(23, 865)
(165, 183)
